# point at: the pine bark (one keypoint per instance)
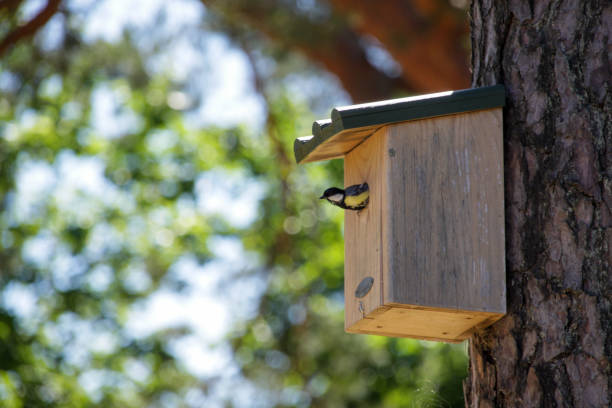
(554, 347)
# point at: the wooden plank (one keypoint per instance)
(336, 146)
(445, 228)
(363, 229)
(395, 320)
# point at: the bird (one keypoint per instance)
(355, 197)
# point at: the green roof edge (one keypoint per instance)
(399, 110)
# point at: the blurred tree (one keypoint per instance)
(427, 41)
(78, 249)
(17, 30)
(96, 216)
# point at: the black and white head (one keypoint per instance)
(334, 195)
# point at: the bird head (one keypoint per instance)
(333, 194)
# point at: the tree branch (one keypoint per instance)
(423, 37)
(329, 43)
(31, 27)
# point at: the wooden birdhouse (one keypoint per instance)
(425, 258)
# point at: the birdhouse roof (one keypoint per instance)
(350, 125)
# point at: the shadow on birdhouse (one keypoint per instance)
(425, 259)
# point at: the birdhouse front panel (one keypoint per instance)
(425, 258)
(445, 201)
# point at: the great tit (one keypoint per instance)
(355, 197)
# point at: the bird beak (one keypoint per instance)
(321, 197)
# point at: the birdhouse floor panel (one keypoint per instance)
(425, 323)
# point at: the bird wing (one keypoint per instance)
(356, 189)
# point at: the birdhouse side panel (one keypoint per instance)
(363, 230)
(445, 225)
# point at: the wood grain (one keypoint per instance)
(339, 144)
(424, 323)
(363, 230)
(446, 219)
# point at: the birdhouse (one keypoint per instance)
(425, 258)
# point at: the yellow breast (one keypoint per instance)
(356, 201)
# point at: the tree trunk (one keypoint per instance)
(554, 347)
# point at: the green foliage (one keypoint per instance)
(87, 256)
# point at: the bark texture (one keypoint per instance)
(554, 347)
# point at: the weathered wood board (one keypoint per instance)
(446, 220)
(339, 144)
(363, 230)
